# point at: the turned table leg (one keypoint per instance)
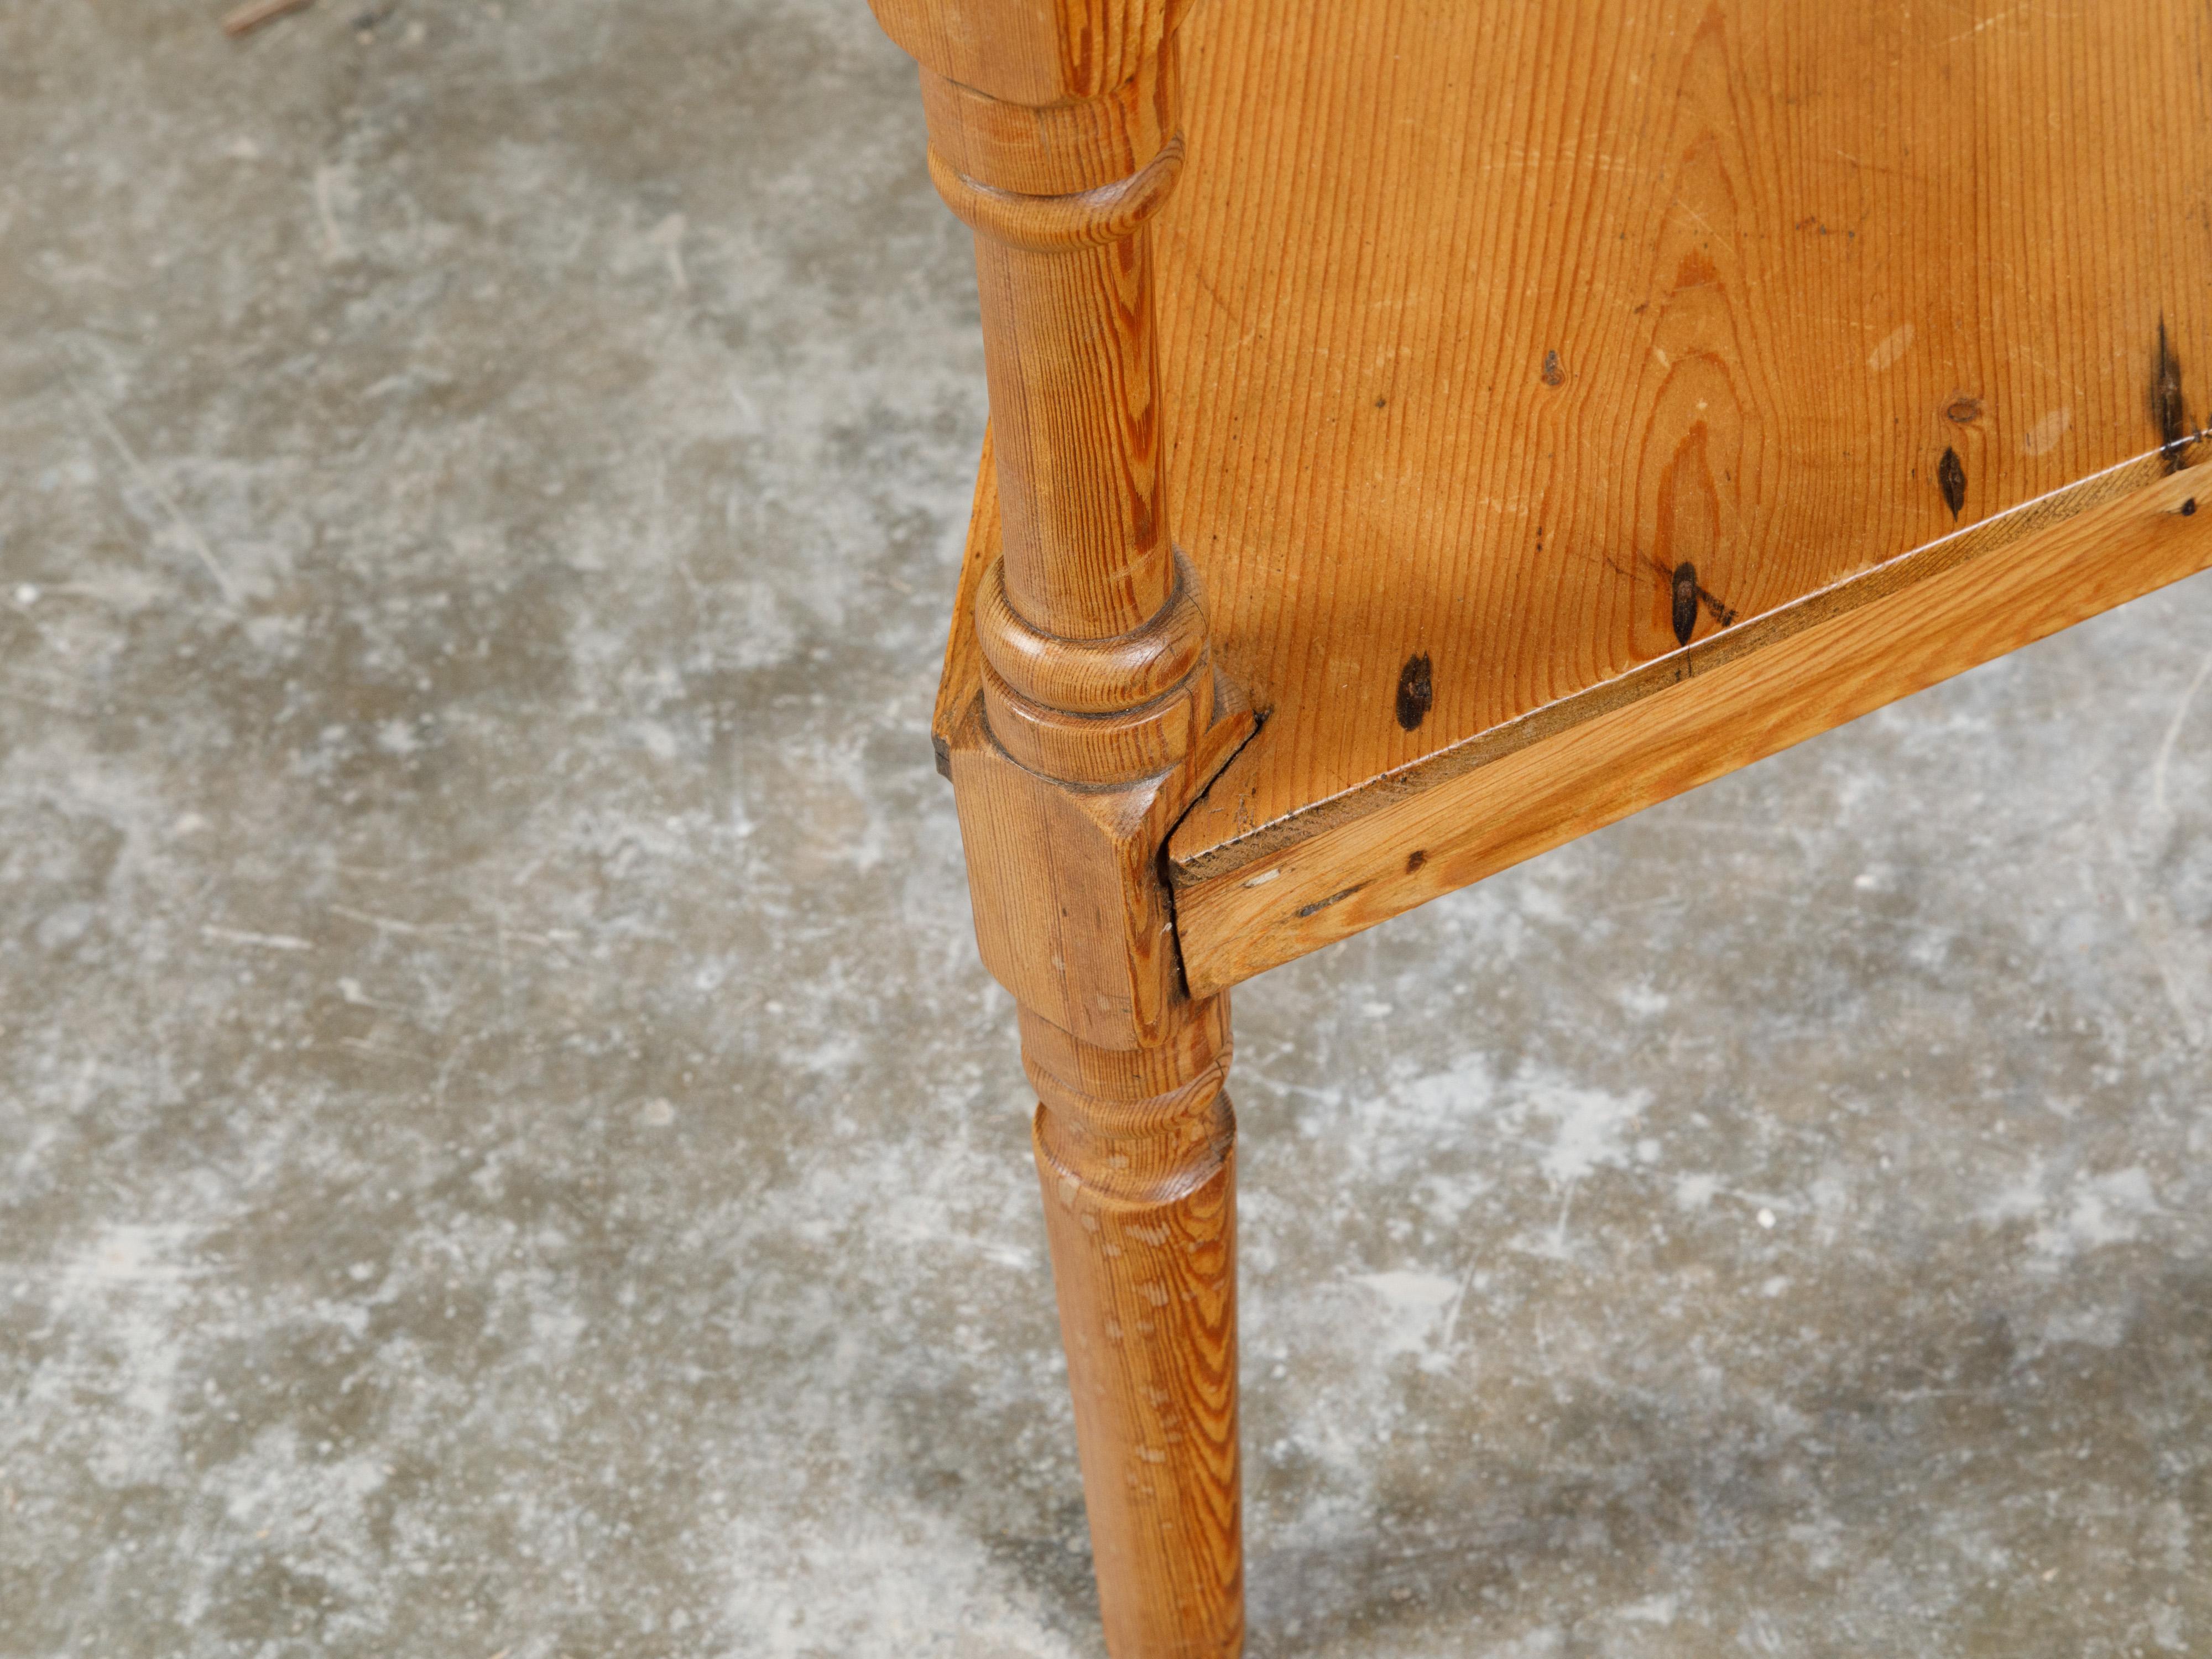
(1136, 1153)
(1097, 717)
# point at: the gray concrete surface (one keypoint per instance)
(505, 1148)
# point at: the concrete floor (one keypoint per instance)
(505, 1147)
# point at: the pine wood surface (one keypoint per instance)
(1538, 410)
(1574, 767)
(1083, 713)
(1032, 52)
(1504, 346)
(1138, 1163)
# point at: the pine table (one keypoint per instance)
(1424, 431)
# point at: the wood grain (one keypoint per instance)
(1081, 713)
(961, 680)
(1071, 914)
(1134, 1145)
(1703, 711)
(1501, 342)
(1539, 411)
(1033, 52)
(1138, 1162)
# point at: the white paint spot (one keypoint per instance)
(266, 941)
(2165, 1628)
(850, 1578)
(1651, 1610)
(1418, 1311)
(1591, 1124)
(2018, 1198)
(1263, 879)
(2093, 1328)
(129, 1254)
(2043, 437)
(2107, 1209)
(1695, 1192)
(1894, 345)
(64, 925)
(657, 1114)
(1766, 1216)
(26, 594)
(1409, 1291)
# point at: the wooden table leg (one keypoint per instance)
(1097, 717)
(1134, 1142)
(1136, 1152)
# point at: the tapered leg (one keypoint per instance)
(1089, 717)
(1136, 1153)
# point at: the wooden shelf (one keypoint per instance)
(1568, 404)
